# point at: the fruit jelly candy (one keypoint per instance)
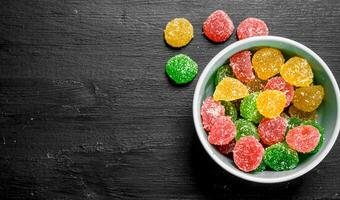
(267, 62)
(303, 138)
(272, 131)
(251, 27)
(309, 98)
(230, 109)
(230, 89)
(218, 27)
(227, 148)
(260, 168)
(297, 72)
(222, 72)
(210, 111)
(280, 157)
(241, 65)
(178, 32)
(321, 131)
(248, 108)
(181, 69)
(293, 122)
(294, 112)
(278, 83)
(270, 103)
(248, 153)
(222, 132)
(245, 128)
(255, 85)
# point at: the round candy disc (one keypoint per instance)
(230, 89)
(309, 98)
(210, 111)
(272, 131)
(251, 27)
(248, 108)
(321, 131)
(245, 128)
(267, 62)
(303, 139)
(241, 65)
(248, 153)
(222, 132)
(181, 69)
(222, 72)
(178, 32)
(297, 72)
(270, 103)
(278, 83)
(218, 27)
(280, 157)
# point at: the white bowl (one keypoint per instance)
(328, 111)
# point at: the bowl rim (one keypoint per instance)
(197, 107)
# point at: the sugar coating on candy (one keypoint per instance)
(178, 32)
(251, 27)
(181, 69)
(245, 128)
(230, 89)
(227, 148)
(297, 72)
(255, 85)
(267, 62)
(303, 139)
(321, 131)
(248, 153)
(218, 27)
(248, 108)
(270, 103)
(260, 168)
(280, 157)
(294, 112)
(210, 111)
(309, 98)
(241, 65)
(222, 132)
(278, 83)
(230, 109)
(272, 131)
(293, 122)
(222, 72)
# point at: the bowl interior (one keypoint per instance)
(327, 112)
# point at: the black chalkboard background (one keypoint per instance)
(87, 111)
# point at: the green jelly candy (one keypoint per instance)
(260, 168)
(248, 109)
(230, 109)
(280, 157)
(222, 72)
(245, 128)
(321, 131)
(181, 69)
(293, 122)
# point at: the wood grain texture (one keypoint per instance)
(87, 111)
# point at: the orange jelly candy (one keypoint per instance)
(230, 89)
(270, 103)
(178, 32)
(309, 98)
(267, 62)
(297, 72)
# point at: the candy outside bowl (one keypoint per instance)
(328, 112)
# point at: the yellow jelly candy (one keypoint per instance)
(309, 98)
(178, 32)
(294, 112)
(297, 71)
(270, 103)
(230, 89)
(267, 62)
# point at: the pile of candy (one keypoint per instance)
(218, 27)
(263, 110)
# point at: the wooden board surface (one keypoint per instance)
(87, 111)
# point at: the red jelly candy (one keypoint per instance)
(227, 148)
(210, 111)
(218, 27)
(272, 131)
(242, 67)
(248, 153)
(303, 139)
(251, 27)
(222, 132)
(278, 83)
